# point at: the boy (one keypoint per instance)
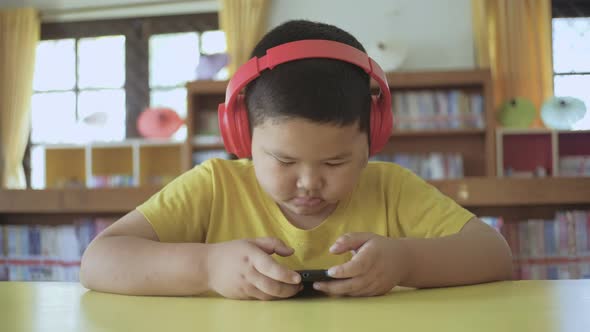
(308, 194)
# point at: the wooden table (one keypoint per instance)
(505, 306)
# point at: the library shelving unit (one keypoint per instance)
(475, 145)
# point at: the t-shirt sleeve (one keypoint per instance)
(180, 211)
(424, 212)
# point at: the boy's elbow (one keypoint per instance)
(504, 262)
(83, 275)
(86, 267)
(508, 267)
(84, 280)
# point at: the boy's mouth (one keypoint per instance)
(307, 201)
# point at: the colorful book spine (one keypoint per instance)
(437, 109)
(3, 267)
(112, 181)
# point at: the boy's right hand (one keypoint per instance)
(244, 269)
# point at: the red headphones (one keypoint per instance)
(233, 114)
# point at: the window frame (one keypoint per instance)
(569, 9)
(137, 32)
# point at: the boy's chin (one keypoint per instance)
(320, 209)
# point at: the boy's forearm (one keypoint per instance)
(472, 256)
(136, 266)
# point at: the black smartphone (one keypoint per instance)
(314, 275)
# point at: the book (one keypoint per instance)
(112, 181)
(574, 166)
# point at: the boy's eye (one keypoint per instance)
(285, 162)
(335, 163)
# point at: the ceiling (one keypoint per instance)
(76, 4)
(80, 10)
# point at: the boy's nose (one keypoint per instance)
(310, 182)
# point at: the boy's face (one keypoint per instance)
(306, 167)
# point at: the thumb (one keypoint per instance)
(272, 245)
(350, 242)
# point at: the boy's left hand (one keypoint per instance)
(378, 264)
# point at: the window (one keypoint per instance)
(79, 91)
(93, 78)
(571, 61)
(173, 62)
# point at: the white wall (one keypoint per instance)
(437, 33)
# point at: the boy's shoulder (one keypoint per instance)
(386, 169)
(385, 175)
(214, 164)
(223, 168)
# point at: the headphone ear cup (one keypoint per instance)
(241, 130)
(225, 128)
(381, 125)
(234, 128)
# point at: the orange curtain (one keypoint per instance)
(513, 39)
(244, 23)
(19, 35)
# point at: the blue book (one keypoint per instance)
(2, 250)
(552, 272)
(3, 267)
(24, 240)
(549, 228)
(35, 240)
(581, 232)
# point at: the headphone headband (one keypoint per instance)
(305, 49)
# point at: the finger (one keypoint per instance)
(273, 287)
(350, 242)
(254, 293)
(340, 287)
(360, 264)
(266, 265)
(369, 290)
(272, 245)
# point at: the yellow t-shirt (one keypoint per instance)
(221, 200)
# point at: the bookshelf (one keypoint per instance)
(131, 163)
(474, 145)
(86, 211)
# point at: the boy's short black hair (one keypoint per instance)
(320, 90)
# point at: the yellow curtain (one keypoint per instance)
(244, 23)
(19, 35)
(513, 39)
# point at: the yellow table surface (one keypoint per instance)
(505, 306)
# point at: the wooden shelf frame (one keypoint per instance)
(66, 201)
(469, 192)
